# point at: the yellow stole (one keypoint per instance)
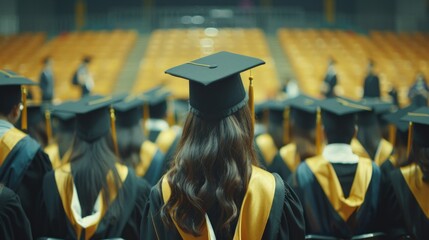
(254, 212)
(414, 178)
(328, 180)
(64, 182)
(8, 141)
(290, 157)
(267, 146)
(147, 151)
(54, 155)
(384, 150)
(165, 139)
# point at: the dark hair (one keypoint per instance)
(130, 140)
(212, 167)
(90, 164)
(305, 141)
(10, 96)
(420, 156)
(338, 129)
(46, 59)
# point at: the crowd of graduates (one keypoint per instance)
(128, 166)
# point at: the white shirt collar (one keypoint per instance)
(340, 153)
(156, 124)
(4, 127)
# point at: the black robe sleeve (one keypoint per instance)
(132, 228)
(13, 221)
(30, 189)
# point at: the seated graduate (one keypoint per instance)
(410, 184)
(399, 139)
(265, 146)
(13, 221)
(214, 189)
(92, 195)
(371, 86)
(338, 189)
(369, 142)
(22, 161)
(302, 110)
(63, 130)
(135, 151)
(164, 134)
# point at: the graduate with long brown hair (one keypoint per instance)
(215, 190)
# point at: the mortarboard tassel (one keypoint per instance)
(113, 128)
(319, 134)
(48, 126)
(170, 113)
(286, 126)
(410, 138)
(392, 134)
(251, 100)
(145, 119)
(24, 110)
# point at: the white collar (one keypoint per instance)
(156, 124)
(76, 209)
(340, 153)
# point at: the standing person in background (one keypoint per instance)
(214, 189)
(371, 86)
(92, 195)
(47, 80)
(419, 92)
(22, 161)
(83, 77)
(330, 81)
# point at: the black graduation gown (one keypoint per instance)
(286, 220)
(321, 216)
(330, 82)
(47, 86)
(167, 142)
(410, 202)
(266, 149)
(151, 163)
(13, 221)
(286, 161)
(371, 87)
(22, 170)
(57, 223)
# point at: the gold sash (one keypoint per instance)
(54, 155)
(165, 139)
(384, 150)
(267, 146)
(8, 142)
(290, 157)
(328, 180)
(64, 181)
(414, 178)
(254, 212)
(147, 152)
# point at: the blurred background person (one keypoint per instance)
(371, 86)
(83, 77)
(46, 81)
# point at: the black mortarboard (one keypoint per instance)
(157, 100)
(340, 112)
(378, 109)
(260, 109)
(395, 118)
(64, 121)
(92, 115)
(215, 86)
(303, 111)
(129, 111)
(420, 120)
(10, 79)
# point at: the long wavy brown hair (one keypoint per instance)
(212, 166)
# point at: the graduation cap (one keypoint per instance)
(339, 114)
(64, 121)
(93, 118)
(9, 78)
(397, 125)
(215, 86)
(378, 109)
(303, 111)
(418, 127)
(129, 111)
(157, 102)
